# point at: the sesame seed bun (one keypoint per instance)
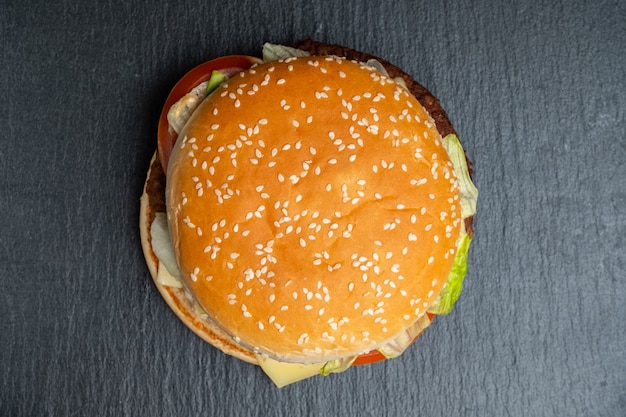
(313, 209)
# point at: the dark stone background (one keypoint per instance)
(537, 93)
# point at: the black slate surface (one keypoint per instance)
(537, 93)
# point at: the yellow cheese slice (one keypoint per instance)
(283, 374)
(165, 278)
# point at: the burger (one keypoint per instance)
(307, 211)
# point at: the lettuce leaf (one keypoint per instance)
(273, 52)
(217, 78)
(454, 285)
(162, 244)
(469, 193)
(337, 365)
(469, 197)
(398, 345)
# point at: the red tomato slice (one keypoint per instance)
(376, 356)
(230, 65)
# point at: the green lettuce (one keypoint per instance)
(454, 285)
(162, 245)
(217, 78)
(274, 52)
(469, 193)
(337, 365)
(398, 345)
(469, 196)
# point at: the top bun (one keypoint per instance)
(313, 208)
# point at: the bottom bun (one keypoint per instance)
(178, 299)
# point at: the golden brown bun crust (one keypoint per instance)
(152, 202)
(323, 221)
(421, 93)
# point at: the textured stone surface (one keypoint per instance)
(537, 93)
